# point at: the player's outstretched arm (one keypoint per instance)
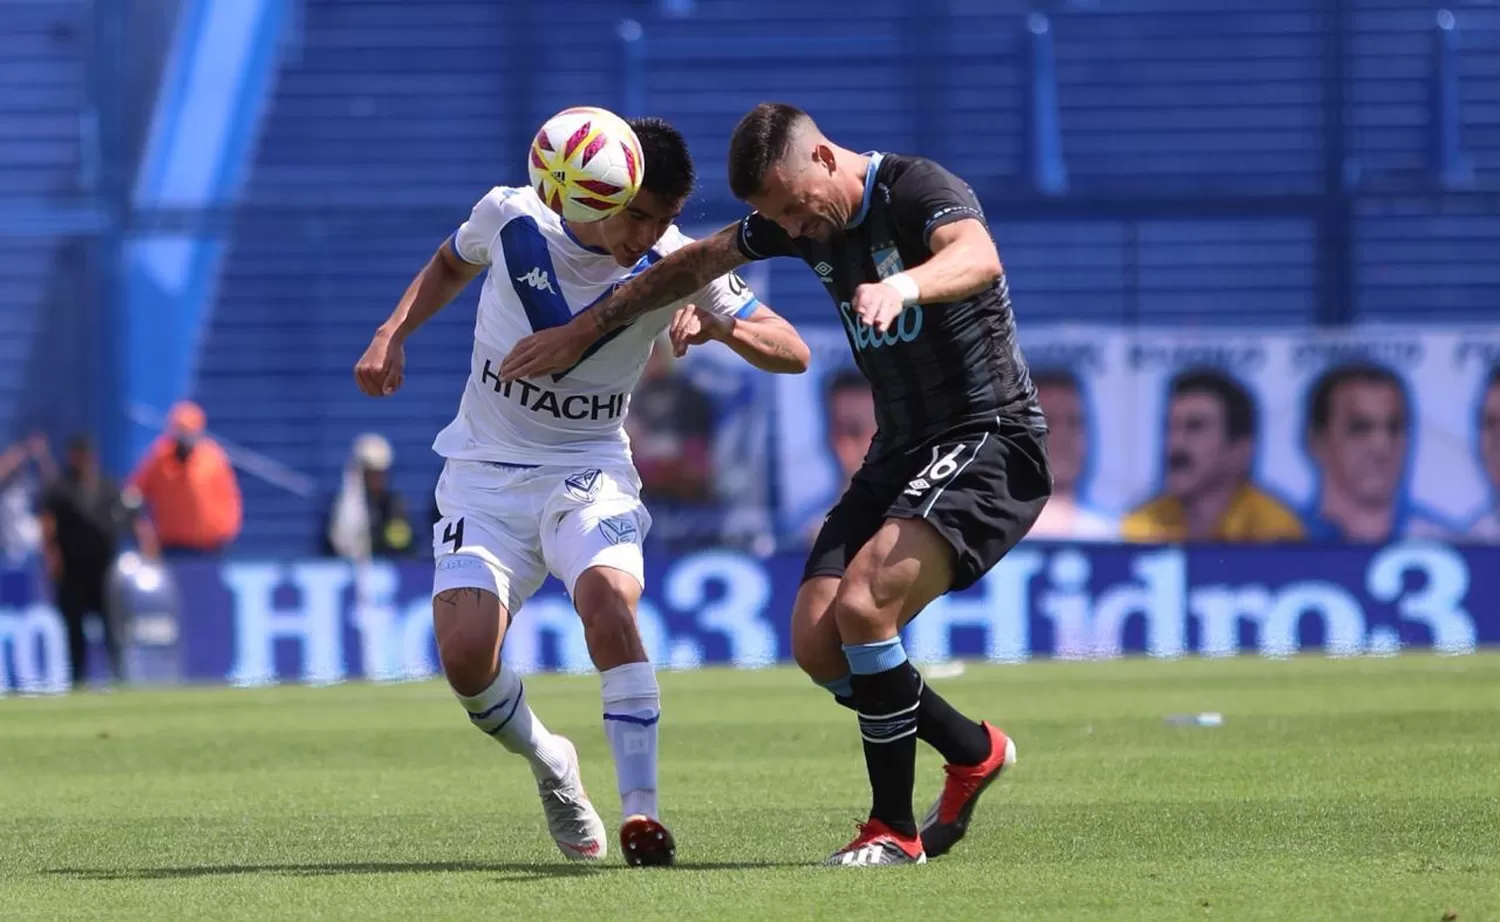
(764, 339)
(678, 275)
(381, 370)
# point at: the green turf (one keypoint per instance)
(1352, 790)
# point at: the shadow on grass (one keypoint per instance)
(513, 869)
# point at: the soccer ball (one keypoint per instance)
(586, 164)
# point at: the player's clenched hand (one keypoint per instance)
(877, 305)
(694, 327)
(545, 352)
(382, 369)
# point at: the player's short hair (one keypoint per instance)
(1056, 377)
(1494, 378)
(79, 444)
(1320, 395)
(1239, 409)
(845, 379)
(669, 166)
(759, 142)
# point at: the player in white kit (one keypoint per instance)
(539, 477)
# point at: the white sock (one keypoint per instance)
(502, 712)
(632, 707)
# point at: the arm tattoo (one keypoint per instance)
(775, 348)
(676, 276)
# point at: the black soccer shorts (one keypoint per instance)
(981, 486)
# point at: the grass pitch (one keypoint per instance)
(1336, 789)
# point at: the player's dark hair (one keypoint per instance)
(1320, 396)
(845, 379)
(669, 166)
(1494, 378)
(760, 142)
(1239, 410)
(1056, 377)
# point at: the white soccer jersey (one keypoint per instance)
(540, 276)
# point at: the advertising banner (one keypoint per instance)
(319, 621)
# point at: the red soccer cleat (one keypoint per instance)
(878, 844)
(646, 843)
(948, 820)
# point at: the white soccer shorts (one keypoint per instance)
(504, 527)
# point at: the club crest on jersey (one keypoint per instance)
(887, 262)
(584, 485)
(539, 279)
(619, 529)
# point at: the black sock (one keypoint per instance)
(960, 740)
(887, 703)
(939, 724)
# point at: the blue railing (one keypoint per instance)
(1451, 168)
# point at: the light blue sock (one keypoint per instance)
(840, 687)
(870, 658)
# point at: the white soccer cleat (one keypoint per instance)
(574, 823)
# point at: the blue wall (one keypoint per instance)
(1150, 161)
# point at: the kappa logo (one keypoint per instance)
(584, 485)
(538, 279)
(825, 271)
(619, 529)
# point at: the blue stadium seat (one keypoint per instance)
(390, 119)
(42, 97)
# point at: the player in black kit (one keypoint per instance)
(957, 472)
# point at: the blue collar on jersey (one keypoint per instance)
(864, 203)
(569, 231)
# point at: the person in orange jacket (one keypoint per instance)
(189, 487)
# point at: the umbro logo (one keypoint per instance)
(825, 271)
(918, 487)
(537, 279)
(584, 485)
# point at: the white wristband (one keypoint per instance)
(905, 286)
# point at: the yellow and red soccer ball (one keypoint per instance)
(586, 164)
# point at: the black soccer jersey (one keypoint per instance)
(940, 365)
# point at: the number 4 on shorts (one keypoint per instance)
(453, 535)
(942, 466)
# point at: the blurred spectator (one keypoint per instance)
(1068, 447)
(83, 518)
(671, 428)
(1487, 526)
(20, 487)
(189, 487)
(849, 416)
(1358, 433)
(1210, 448)
(367, 519)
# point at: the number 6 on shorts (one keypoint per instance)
(944, 462)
